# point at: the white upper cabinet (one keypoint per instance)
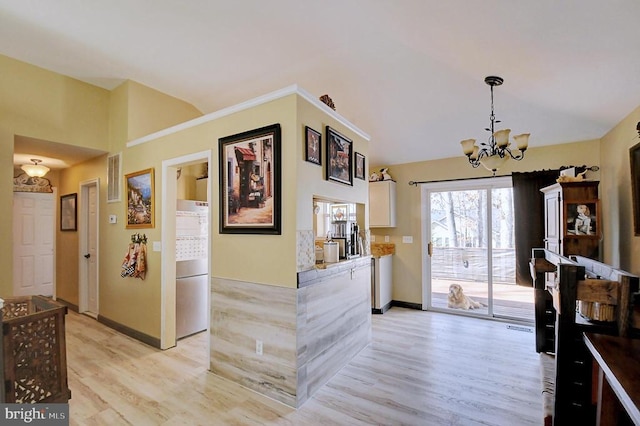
(382, 204)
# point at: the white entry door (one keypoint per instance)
(33, 243)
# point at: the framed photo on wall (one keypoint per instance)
(249, 173)
(140, 199)
(339, 157)
(312, 146)
(68, 212)
(582, 219)
(360, 166)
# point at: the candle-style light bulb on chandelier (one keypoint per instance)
(496, 151)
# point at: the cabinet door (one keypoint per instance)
(552, 226)
(382, 204)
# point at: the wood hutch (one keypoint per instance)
(572, 218)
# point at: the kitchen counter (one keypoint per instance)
(382, 249)
(322, 271)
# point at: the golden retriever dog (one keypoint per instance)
(458, 300)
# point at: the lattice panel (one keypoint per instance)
(15, 309)
(37, 374)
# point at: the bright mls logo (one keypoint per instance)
(36, 414)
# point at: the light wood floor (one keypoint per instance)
(421, 368)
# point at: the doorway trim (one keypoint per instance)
(83, 234)
(169, 193)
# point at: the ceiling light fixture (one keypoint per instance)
(35, 169)
(495, 152)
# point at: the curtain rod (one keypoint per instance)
(591, 168)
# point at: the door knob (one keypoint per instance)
(88, 255)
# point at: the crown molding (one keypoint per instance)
(289, 90)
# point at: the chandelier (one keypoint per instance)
(496, 151)
(35, 169)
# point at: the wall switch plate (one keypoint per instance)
(259, 347)
(113, 218)
(157, 246)
(373, 238)
(407, 239)
(386, 238)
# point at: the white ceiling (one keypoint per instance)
(407, 72)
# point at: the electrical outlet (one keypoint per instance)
(407, 239)
(373, 238)
(259, 347)
(386, 238)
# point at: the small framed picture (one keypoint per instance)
(582, 219)
(359, 166)
(313, 146)
(339, 157)
(634, 157)
(68, 212)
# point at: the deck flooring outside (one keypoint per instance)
(509, 300)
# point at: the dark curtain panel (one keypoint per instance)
(528, 204)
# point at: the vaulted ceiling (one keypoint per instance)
(408, 72)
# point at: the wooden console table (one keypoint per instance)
(618, 378)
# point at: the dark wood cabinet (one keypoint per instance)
(572, 218)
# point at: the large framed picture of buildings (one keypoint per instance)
(250, 171)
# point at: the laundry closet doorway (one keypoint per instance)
(174, 173)
(468, 228)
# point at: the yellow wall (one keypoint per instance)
(407, 262)
(311, 177)
(621, 246)
(41, 104)
(150, 110)
(67, 243)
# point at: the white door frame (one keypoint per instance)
(168, 237)
(83, 233)
(425, 193)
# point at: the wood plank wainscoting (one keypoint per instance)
(308, 333)
(421, 368)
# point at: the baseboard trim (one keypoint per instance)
(69, 305)
(384, 309)
(138, 335)
(409, 305)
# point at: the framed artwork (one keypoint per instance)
(339, 212)
(359, 166)
(68, 212)
(582, 219)
(312, 146)
(249, 173)
(140, 199)
(634, 157)
(339, 157)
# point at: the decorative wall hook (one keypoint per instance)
(137, 238)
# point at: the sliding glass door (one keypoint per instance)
(469, 250)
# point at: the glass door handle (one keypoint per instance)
(430, 249)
